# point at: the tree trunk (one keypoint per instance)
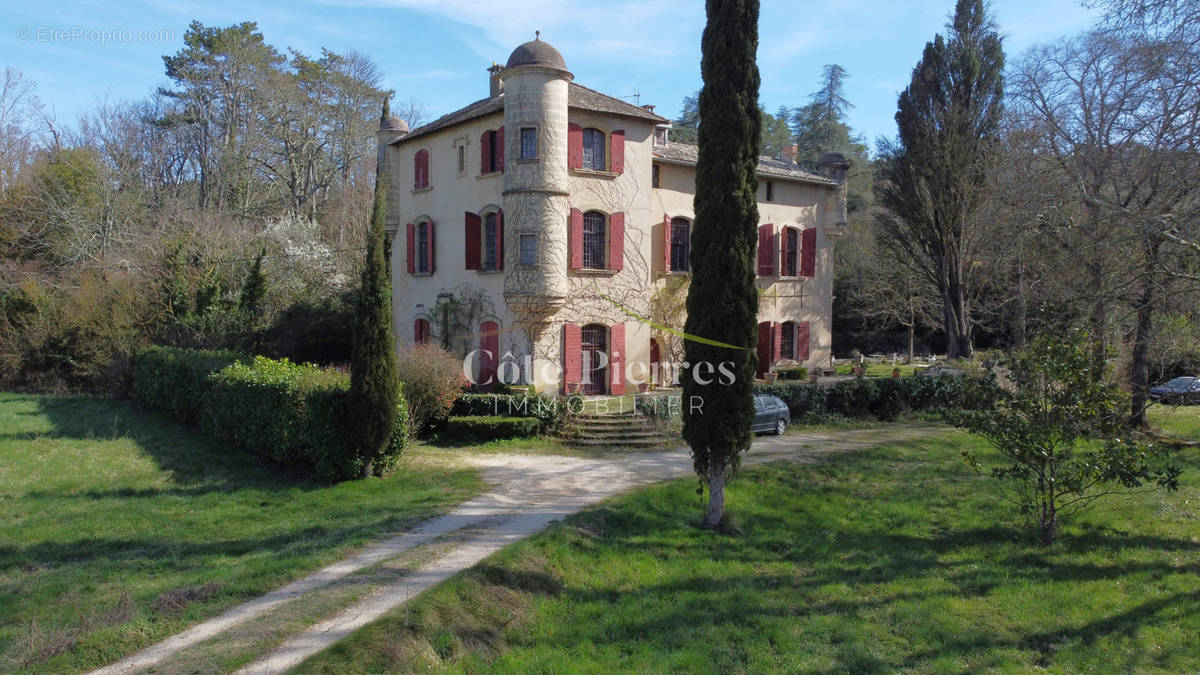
(1099, 320)
(1019, 311)
(368, 468)
(1139, 371)
(912, 329)
(716, 498)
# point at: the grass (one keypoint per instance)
(1179, 422)
(119, 528)
(880, 369)
(893, 558)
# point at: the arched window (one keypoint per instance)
(594, 143)
(594, 231)
(788, 340)
(681, 231)
(421, 170)
(491, 242)
(594, 346)
(424, 244)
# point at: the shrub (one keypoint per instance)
(547, 411)
(433, 379)
(297, 416)
(313, 332)
(801, 399)
(797, 373)
(1060, 432)
(176, 380)
(472, 429)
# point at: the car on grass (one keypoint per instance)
(771, 414)
(1178, 390)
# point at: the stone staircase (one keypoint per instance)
(617, 430)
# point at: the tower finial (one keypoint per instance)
(537, 35)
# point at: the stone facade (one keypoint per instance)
(544, 213)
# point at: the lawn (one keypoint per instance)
(893, 558)
(1175, 421)
(119, 528)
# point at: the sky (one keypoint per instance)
(436, 51)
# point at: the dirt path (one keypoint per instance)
(529, 493)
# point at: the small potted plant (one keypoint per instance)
(857, 367)
(643, 387)
(770, 376)
(895, 372)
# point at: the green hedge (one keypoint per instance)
(176, 380)
(545, 409)
(294, 415)
(797, 373)
(884, 398)
(478, 429)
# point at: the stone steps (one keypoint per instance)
(615, 430)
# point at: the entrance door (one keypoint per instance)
(595, 359)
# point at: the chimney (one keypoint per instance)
(790, 152)
(495, 86)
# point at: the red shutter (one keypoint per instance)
(616, 241)
(616, 148)
(473, 239)
(485, 153)
(766, 250)
(572, 357)
(616, 359)
(802, 339)
(421, 169)
(764, 348)
(411, 241)
(500, 149)
(489, 357)
(666, 243)
(808, 252)
(776, 342)
(500, 240)
(575, 234)
(574, 146)
(430, 249)
(421, 331)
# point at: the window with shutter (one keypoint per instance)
(803, 338)
(421, 170)
(575, 234)
(680, 241)
(790, 252)
(574, 146)
(788, 340)
(491, 243)
(572, 357)
(421, 331)
(489, 356)
(410, 237)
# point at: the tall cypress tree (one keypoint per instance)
(931, 180)
(722, 300)
(373, 386)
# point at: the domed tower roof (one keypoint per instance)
(393, 123)
(537, 53)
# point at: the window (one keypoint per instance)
(424, 254)
(791, 252)
(491, 151)
(593, 240)
(654, 176)
(770, 191)
(594, 141)
(421, 331)
(680, 244)
(529, 143)
(462, 159)
(421, 170)
(491, 245)
(788, 340)
(528, 250)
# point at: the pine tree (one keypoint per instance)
(931, 180)
(722, 300)
(373, 385)
(254, 289)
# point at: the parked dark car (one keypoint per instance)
(1179, 390)
(770, 414)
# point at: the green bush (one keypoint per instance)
(884, 398)
(176, 380)
(295, 415)
(547, 411)
(797, 373)
(801, 399)
(482, 429)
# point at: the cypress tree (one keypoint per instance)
(722, 302)
(373, 386)
(254, 289)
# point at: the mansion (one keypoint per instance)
(544, 231)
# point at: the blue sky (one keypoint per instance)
(436, 51)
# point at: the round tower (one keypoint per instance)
(536, 188)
